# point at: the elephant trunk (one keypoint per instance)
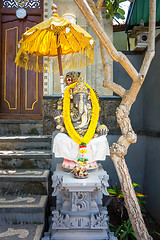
(81, 110)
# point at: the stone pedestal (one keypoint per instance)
(79, 213)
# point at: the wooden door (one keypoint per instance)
(21, 91)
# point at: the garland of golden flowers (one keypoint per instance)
(67, 119)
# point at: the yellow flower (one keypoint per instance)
(82, 151)
(67, 119)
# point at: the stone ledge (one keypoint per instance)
(21, 231)
(19, 121)
(35, 138)
(23, 204)
(26, 154)
(80, 234)
(24, 175)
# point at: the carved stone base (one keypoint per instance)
(79, 212)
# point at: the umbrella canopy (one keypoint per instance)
(52, 36)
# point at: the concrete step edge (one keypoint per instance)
(26, 154)
(44, 138)
(13, 204)
(21, 231)
(23, 175)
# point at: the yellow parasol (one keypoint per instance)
(55, 37)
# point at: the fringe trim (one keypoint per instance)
(69, 61)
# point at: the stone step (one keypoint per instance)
(28, 159)
(23, 209)
(24, 182)
(14, 127)
(25, 142)
(21, 231)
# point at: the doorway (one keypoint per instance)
(21, 91)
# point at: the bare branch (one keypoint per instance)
(115, 55)
(115, 88)
(93, 5)
(151, 39)
(99, 4)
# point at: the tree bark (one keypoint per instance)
(119, 149)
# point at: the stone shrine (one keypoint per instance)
(79, 213)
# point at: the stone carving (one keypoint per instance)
(99, 221)
(104, 184)
(83, 138)
(22, 233)
(97, 197)
(80, 201)
(80, 223)
(60, 221)
(21, 3)
(18, 199)
(57, 184)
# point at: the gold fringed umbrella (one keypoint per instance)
(55, 37)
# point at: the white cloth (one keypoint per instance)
(64, 146)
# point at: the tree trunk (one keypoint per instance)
(119, 149)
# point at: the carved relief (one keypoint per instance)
(57, 184)
(80, 222)
(99, 221)
(104, 184)
(80, 201)
(21, 3)
(60, 221)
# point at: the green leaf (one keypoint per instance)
(157, 233)
(118, 230)
(123, 235)
(133, 234)
(139, 203)
(121, 11)
(120, 1)
(109, 6)
(118, 190)
(117, 15)
(107, 16)
(142, 201)
(135, 185)
(129, 225)
(115, 5)
(111, 225)
(112, 191)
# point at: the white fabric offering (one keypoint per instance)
(64, 146)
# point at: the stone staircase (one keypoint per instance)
(24, 185)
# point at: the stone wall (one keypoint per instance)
(152, 127)
(107, 115)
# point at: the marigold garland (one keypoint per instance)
(67, 119)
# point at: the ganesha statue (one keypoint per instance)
(82, 140)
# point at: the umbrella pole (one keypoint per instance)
(60, 70)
